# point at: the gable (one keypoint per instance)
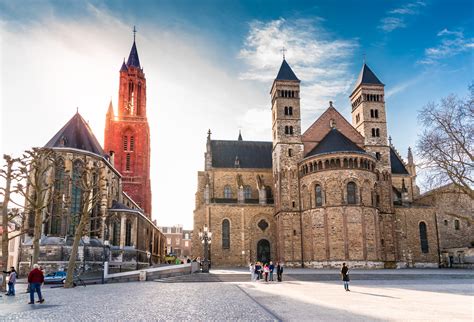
(321, 127)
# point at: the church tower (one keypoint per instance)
(127, 134)
(369, 119)
(287, 152)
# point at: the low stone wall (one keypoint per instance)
(338, 264)
(151, 274)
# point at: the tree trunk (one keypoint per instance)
(37, 236)
(6, 201)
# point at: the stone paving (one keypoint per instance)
(435, 299)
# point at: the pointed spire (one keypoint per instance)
(410, 156)
(367, 76)
(286, 73)
(133, 59)
(110, 110)
(124, 66)
(240, 136)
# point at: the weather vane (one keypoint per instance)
(283, 51)
(134, 32)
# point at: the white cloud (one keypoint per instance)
(57, 64)
(451, 43)
(320, 60)
(396, 18)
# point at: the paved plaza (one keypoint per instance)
(434, 295)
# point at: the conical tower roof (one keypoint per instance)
(76, 134)
(285, 72)
(133, 59)
(367, 76)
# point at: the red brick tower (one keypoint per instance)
(127, 135)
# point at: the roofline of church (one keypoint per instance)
(365, 153)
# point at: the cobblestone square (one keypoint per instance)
(302, 296)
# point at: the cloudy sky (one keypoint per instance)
(210, 65)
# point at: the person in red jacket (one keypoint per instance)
(35, 278)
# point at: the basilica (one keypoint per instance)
(337, 192)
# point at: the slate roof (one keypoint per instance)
(335, 141)
(133, 59)
(251, 154)
(397, 165)
(76, 134)
(286, 73)
(367, 76)
(119, 206)
(124, 67)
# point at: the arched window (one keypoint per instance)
(290, 110)
(291, 129)
(423, 238)
(227, 192)
(132, 143)
(128, 233)
(376, 112)
(377, 132)
(58, 202)
(247, 192)
(225, 234)
(116, 233)
(287, 131)
(351, 193)
(318, 195)
(286, 110)
(371, 113)
(76, 197)
(373, 132)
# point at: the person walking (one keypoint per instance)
(345, 276)
(257, 270)
(266, 271)
(252, 272)
(11, 281)
(272, 268)
(279, 271)
(35, 278)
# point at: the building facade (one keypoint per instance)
(337, 192)
(178, 241)
(127, 134)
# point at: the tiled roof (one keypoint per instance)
(76, 134)
(335, 141)
(250, 154)
(286, 73)
(397, 164)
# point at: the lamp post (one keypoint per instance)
(106, 245)
(206, 237)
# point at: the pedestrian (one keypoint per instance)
(35, 278)
(252, 272)
(11, 281)
(345, 276)
(271, 267)
(266, 270)
(257, 270)
(279, 271)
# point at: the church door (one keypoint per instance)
(263, 251)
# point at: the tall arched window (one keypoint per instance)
(423, 238)
(225, 234)
(132, 143)
(125, 143)
(247, 192)
(227, 192)
(290, 110)
(128, 233)
(59, 191)
(319, 195)
(76, 197)
(351, 193)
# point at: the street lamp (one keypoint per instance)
(106, 245)
(205, 237)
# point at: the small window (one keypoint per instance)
(445, 222)
(423, 238)
(287, 130)
(351, 193)
(371, 113)
(373, 132)
(290, 110)
(127, 162)
(377, 132)
(290, 152)
(225, 234)
(286, 110)
(132, 143)
(456, 224)
(227, 192)
(291, 129)
(294, 204)
(319, 195)
(377, 155)
(125, 143)
(376, 114)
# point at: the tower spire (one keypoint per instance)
(134, 33)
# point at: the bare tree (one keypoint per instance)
(90, 184)
(36, 169)
(446, 145)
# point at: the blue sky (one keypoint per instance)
(210, 64)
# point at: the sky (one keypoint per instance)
(210, 65)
